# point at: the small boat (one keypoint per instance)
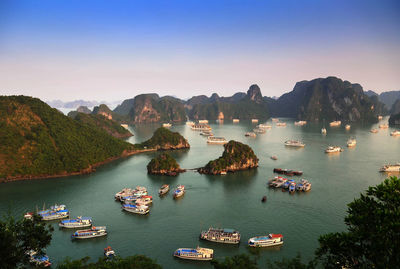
(254, 120)
(264, 126)
(300, 123)
(307, 186)
(79, 222)
(323, 131)
(189, 123)
(125, 126)
(395, 133)
(90, 233)
(374, 130)
(216, 140)
(166, 125)
(124, 192)
(206, 133)
(390, 168)
(235, 120)
(275, 119)
(292, 187)
(352, 142)
(287, 184)
(380, 117)
(250, 134)
(335, 123)
(144, 200)
(259, 130)
(29, 215)
(137, 209)
(198, 254)
(201, 127)
(223, 172)
(383, 126)
(61, 214)
(274, 158)
(164, 189)
(179, 191)
(288, 172)
(277, 182)
(347, 127)
(38, 260)
(203, 121)
(226, 236)
(294, 143)
(264, 199)
(333, 149)
(266, 240)
(281, 124)
(109, 252)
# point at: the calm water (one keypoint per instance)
(231, 201)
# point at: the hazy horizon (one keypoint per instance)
(101, 50)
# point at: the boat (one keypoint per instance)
(144, 200)
(335, 123)
(61, 214)
(29, 215)
(90, 233)
(374, 130)
(274, 158)
(179, 191)
(123, 192)
(264, 126)
(294, 143)
(287, 184)
(303, 185)
(201, 127)
(223, 172)
(281, 124)
(383, 126)
(137, 209)
(352, 142)
(38, 260)
(109, 252)
(79, 222)
(333, 149)
(380, 117)
(216, 140)
(275, 119)
(164, 189)
(198, 254)
(250, 134)
(166, 125)
(323, 131)
(125, 126)
(54, 208)
(190, 123)
(226, 236)
(266, 240)
(254, 120)
(390, 168)
(277, 182)
(259, 130)
(306, 186)
(292, 187)
(395, 133)
(203, 121)
(264, 199)
(288, 172)
(206, 133)
(300, 123)
(235, 120)
(347, 127)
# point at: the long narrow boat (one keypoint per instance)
(137, 209)
(62, 214)
(164, 189)
(90, 233)
(266, 240)
(179, 191)
(79, 222)
(226, 236)
(198, 254)
(54, 208)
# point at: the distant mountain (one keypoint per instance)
(395, 108)
(371, 93)
(394, 119)
(84, 109)
(125, 107)
(389, 98)
(72, 104)
(327, 99)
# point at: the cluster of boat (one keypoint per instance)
(390, 168)
(288, 172)
(53, 213)
(225, 236)
(289, 184)
(135, 200)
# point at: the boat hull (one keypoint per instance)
(74, 226)
(88, 236)
(264, 244)
(193, 258)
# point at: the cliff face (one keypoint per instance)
(164, 164)
(104, 111)
(394, 119)
(164, 139)
(84, 109)
(236, 156)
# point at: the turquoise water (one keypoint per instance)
(231, 201)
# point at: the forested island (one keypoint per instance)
(236, 156)
(164, 164)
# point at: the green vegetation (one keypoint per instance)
(19, 236)
(163, 164)
(164, 139)
(236, 262)
(37, 140)
(131, 262)
(236, 156)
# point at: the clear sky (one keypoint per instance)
(112, 50)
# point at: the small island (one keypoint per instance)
(164, 164)
(236, 156)
(164, 139)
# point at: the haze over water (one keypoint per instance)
(231, 201)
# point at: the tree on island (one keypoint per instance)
(17, 237)
(164, 139)
(164, 164)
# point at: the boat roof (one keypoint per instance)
(275, 235)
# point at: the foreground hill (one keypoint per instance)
(164, 139)
(164, 164)
(39, 141)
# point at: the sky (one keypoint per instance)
(114, 50)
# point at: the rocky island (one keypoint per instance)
(164, 139)
(164, 164)
(236, 156)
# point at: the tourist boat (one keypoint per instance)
(166, 125)
(374, 131)
(216, 140)
(266, 240)
(335, 123)
(137, 209)
(277, 182)
(90, 233)
(201, 127)
(109, 252)
(264, 126)
(303, 185)
(203, 121)
(164, 189)
(124, 125)
(179, 191)
(254, 120)
(288, 172)
(206, 133)
(300, 123)
(79, 222)
(281, 124)
(383, 126)
(140, 191)
(347, 127)
(129, 199)
(53, 215)
(294, 143)
(144, 200)
(190, 123)
(333, 149)
(38, 260)
(227, 236)
(259, 130)
(235, 120)
(390, 168)
(352, 142)
(395, 133)
(29, 215)
(54, 208)
(380, 117)
(274, 158)
(250, 134)
(124, 192)
(292, 187)
(198, 254)
(323, 131)
(275, 119)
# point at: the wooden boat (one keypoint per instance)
(164, 189)
(281, 124)
(300, 123)
(235, 120)
(347, 127)
(254, 120)
(201, 127)
(109, 252)
(288, 172)
(333, 149)
(335, 123)
(264, 199)
(38, 260)
(395, 133)
(179, 191)
(274, 158)
(352, 142)
(259, 130)
(374, 131)
(226, 236)
(166, 125)
(198, 254)
(203, 121)
(90, 233)
(137, 209)
(250, 134)
(266, 240)
(383, 126)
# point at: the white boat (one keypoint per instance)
(124, 192)
(323, 131)
(395, 133)
(259, 130)
(235, 120)
(190, 123)
(374, 130)
(206, 133)
(275, 119)
(124, 125)
(300, 123)
(144, 200)
(61, 214)
(335, 123)
(198, 254)
(54, 208)
(347, 127)
(390, 168)
(352, 142)
(79, 222)
(380, 117)
(137, 209)
(264, 126)
(90, 233)
(203, 121)
(164, 189)
(281, 124)
(226, 236)
(179, 191)
(109, 252)
(201, 127)
(216, 140)
(266, 240)
(250, 134)
(333, 149)
(254, 120)
(383, 126)
(166, 125)
(294, 143)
